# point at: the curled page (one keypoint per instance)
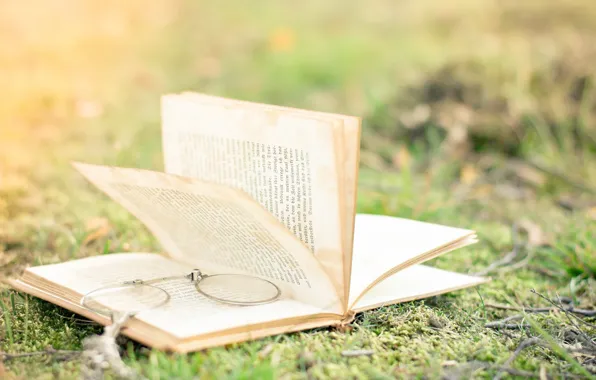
(217, 229)
(347, 154)
(384, 245)
(286, 161)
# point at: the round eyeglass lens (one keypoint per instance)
(129, 298)
(238, 289)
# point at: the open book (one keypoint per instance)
(260, 190)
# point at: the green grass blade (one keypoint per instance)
(7, 323)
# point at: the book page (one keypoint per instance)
(352, 130)
(217, 229)
(187, 313)
(383, 244)
(415, 282)
(349, 146)
(286, 161)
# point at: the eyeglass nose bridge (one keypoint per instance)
(196, 275)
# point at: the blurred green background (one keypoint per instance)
(477, 113)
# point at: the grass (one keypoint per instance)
(84, 84)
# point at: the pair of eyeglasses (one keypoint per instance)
(131, 297)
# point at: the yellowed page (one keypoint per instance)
(159, 339)
(187, 313)
(383, 244)
(416, 282)
(285, 160)
(217, 229)
(352, 131)
(350, 149)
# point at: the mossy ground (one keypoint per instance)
(82, 82)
